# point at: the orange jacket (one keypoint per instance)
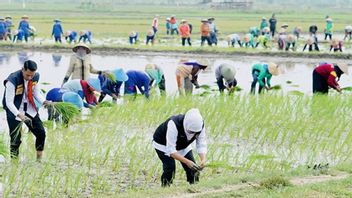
(184, 30)
(205, 30)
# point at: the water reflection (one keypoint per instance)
(4, 57)
(57, 59)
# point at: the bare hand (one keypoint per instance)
(193, 166)
(47, 104)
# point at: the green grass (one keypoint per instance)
(111, 151)
(120, 20)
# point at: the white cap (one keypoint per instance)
(193, 121)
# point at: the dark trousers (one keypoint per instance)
(272, 31)
(205, 38)
(310, 48)
(151, 39)
(221, 85)
(58, 39)
(213, 38)
(173, 31)
(254, 83)
(133, 39)
(102, 96)
(188, 41)
(233, 43)
(15, 133)
(328, 35)
(320, 86)
(169, 169)
(288, 45)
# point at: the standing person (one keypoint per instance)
(9, 25)
(213, 31)
(187, 75)
(174, 25)
(86, 35)
(137, 79)
(3, 29)
(150, 37)
(348, 32)
(157, 77)
(172, 140)
(80, 64)
(21, 91)
(168, 26)
(273, 22)
(57, 31)
(110, 87)
(155, 23)
(325, 75)
(262, 73)
(133, 37)
(226, 72)
(24, 26)
(205, 32)
(70, 36)
(185, 33)
(328, 28)
(263, 24)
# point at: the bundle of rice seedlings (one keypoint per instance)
(106, 104)
(67, 111)
(111, 76)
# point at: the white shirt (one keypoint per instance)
(10, 96)
(171, 138)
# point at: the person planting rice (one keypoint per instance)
(24, 26)
(150, 37)
(9, 25)
(348, 32)
(174, 25)
(213, 31)
(263, 24)
(248, 41)
(133, 37)
(80, 64)
(168, 26)
(57, 31)
(310, 42)
(326, 75)
(3, 29)
(187, 75)
(21, 91)
(137, 79)
(172, 140)
(70, 36)
(226, 72)
(85, 35)
(232, 39)
(336, 44)
(111, 87)
(291, 42)
(297, 31)
(262, 73)
(157, 77)
(254, 31)
(263, 41)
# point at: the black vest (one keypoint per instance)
(182, 142)
(17, 80)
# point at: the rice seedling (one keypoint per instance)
(67, 111)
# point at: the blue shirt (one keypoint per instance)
(109, 87)
(3, 28)
(139, 79)
(57, 30)
(24, 26)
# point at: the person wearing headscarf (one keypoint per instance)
(157, 77)
(110, 86)
(172, 141)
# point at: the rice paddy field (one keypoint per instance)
(278, 144)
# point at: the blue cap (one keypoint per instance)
(120, 75)
(73, 98)
(95, 84)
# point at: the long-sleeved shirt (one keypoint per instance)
(171, 138)
(263, 73)
(3, 28)
(24, 26)
(109, 87)
(78, 71)
(155, 22)
(212, 27)
(140, 80)
(272, 22)
(327, 71)
(263, 24)
(10, 95)
(184, 30)
(57, 30)
(204, 29)
(81, 87)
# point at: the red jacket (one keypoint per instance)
(88, 94)
(327, 71)
(184, 30)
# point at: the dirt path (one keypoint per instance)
(298, 181)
